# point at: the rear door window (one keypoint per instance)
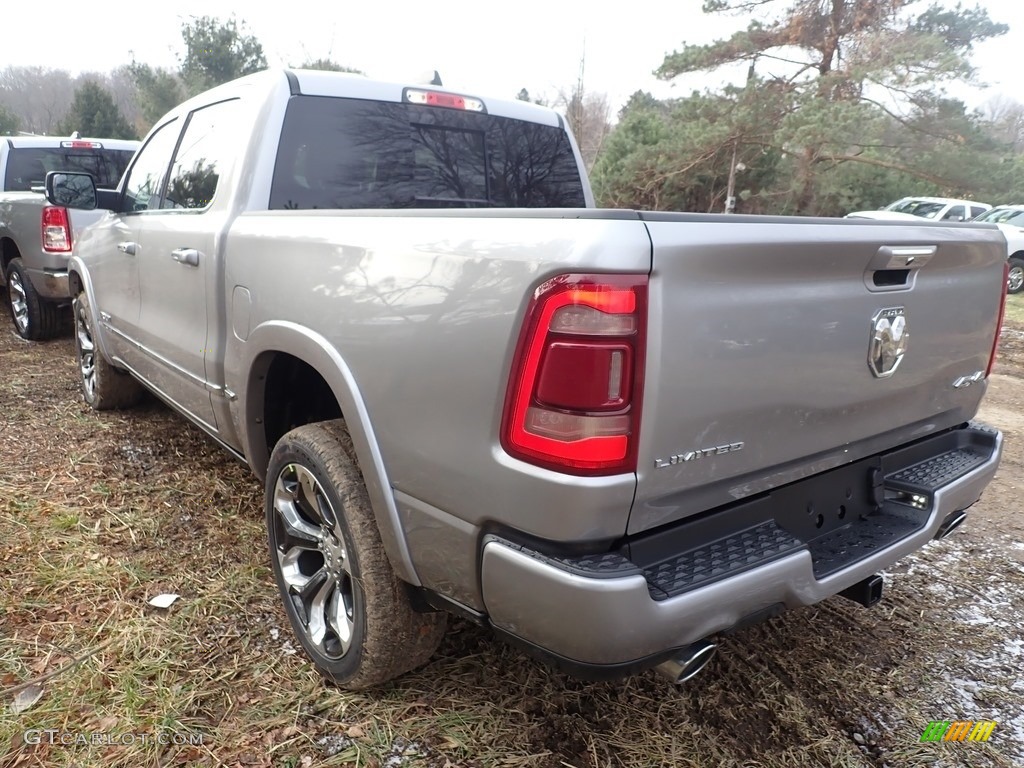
(353, 153)
(200, 158)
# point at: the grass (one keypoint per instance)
(101, 512)
(1015, 310)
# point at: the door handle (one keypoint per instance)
(189, 256)
(126, 247)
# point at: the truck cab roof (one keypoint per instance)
(44, 142)
(349, 85)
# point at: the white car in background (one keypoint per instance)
(1010, 219)
(934, 208)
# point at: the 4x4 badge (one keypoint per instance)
(888, 342)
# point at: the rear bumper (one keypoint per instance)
(602, 613)
(50, 284)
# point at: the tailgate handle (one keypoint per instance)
(894, 266)
(902, 257)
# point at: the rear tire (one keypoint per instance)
(35, 318)
(1015, 278)
(104, 387)
(349, 610)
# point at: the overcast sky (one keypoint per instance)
(486, 48)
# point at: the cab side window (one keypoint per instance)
(956, 213)
(147, 174)
(205, 148)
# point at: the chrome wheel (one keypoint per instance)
(19, 301)
(86, 353)
(1015, 279)
(314, 562)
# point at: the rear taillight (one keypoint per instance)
(999, 323)
(573, 401)
(56, 229)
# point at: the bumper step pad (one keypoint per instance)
(859, 539)
(725, 557)
(930, 475)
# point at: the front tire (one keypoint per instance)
(104, 387)
(1015, 277)
(35, 318)
(349, 610)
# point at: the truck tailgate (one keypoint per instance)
(760, 331)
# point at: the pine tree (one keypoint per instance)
(94, 113)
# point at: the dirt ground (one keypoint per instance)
(101, 512)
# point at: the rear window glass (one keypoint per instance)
(352, 153)
(28, 166)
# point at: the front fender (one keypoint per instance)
(314, 350)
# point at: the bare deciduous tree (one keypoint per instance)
(588, 115)
(37, 96)
(1005, 120)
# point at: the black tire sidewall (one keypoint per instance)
(293, 451)
(44, 315)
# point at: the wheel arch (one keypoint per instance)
(78, 281)
(279, 346)
(75, 283)
(8, 252)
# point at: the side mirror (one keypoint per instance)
(71, 190)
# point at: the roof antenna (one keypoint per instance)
(437, 79)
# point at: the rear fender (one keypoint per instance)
(314, 350)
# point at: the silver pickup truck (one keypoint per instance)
(35, 238)
(469, 391)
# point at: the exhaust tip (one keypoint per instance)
(688, 663)
(951, 523)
